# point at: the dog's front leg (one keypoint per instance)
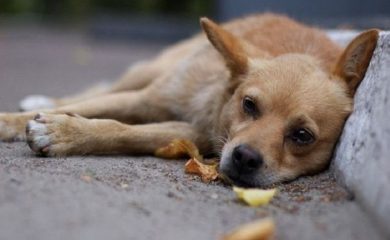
(61, 134)
(128, 107)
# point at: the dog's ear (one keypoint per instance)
(228, 45)
(354, 61)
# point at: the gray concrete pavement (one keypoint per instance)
(132, 197)
(362, 158)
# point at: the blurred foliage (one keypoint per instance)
(188, 7)
(82, 8)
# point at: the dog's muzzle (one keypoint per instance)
(243, 165)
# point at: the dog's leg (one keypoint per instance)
(136, 77)
(36, 102)
(61, 134)
(129, 107)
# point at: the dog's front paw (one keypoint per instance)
(55, 135)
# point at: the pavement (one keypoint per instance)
(124, 197)
(362, 158)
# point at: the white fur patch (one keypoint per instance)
(41, 141)
(38, 135)
(37, 128)
(34, 102)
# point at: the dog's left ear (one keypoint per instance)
(354, 61)
(229, 46)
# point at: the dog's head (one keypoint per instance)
(283, 115)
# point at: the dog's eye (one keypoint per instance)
(250, 107)
(302, 136)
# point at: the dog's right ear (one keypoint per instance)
(354, 61)
(227, 45)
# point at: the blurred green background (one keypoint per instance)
(153, 20)
(170, 20)
(79, 9)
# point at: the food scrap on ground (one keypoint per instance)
(254, 197)
(263, 229)
(182, 147)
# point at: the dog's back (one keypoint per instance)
(273, 34)
(277, 34)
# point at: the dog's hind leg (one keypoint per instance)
(128, 107)
(136, 77)
(59, 135)
(36, 102)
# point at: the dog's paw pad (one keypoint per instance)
(35, 102)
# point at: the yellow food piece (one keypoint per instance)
(258, 230)
(254, 197)
(239, 191)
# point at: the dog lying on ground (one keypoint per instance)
(269, 95)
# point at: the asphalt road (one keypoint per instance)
(126, 197)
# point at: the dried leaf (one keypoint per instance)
(182, 147)
(258, 230)
(206, 172)
(178, 148)
(254, 197)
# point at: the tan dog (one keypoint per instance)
(268, 94)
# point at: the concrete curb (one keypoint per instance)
(342, 37)
(361, 161)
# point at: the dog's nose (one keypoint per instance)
(246, 159)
